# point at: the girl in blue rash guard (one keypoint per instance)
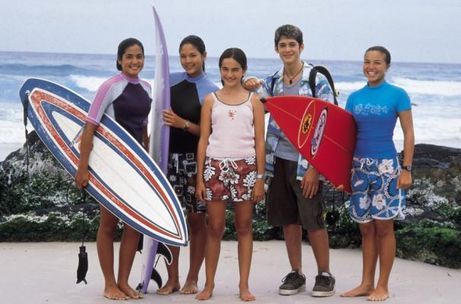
(188, 90)
(126, 98)
(377, 178)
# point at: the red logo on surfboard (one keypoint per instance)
(306, 125)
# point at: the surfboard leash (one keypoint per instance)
(25, 107)
(332, 215)
(82, 267)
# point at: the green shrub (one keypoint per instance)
(430, 242)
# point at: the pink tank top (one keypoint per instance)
(233, 133)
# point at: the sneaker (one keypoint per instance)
(324, 285)
(293, 283)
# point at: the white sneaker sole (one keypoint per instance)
(290, 292)
(320, 294)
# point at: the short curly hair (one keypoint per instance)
(289, 31)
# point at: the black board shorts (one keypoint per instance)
(285, 203)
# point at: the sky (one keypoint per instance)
(413, 30)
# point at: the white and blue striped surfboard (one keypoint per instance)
(123, 177)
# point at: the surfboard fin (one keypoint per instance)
(140, 243)
(82, 265)
(156, 277)
(165, 252)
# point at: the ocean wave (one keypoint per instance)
(92, 83)
(412, 86)
(343, 86)
(42, 70)
(429, 87)
(89, 83)
(432, 123)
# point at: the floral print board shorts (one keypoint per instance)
(229, 180)
(374, 190)
(182, 171)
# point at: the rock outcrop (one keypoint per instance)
(39, 202)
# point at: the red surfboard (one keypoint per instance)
(322, 132)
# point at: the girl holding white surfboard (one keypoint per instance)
(188, 91)
(126, 98)
(378, 180)
(230, 163)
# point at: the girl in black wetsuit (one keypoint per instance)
(188, 90)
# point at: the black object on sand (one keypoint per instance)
(82, 265)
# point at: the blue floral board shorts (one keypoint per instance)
(229, 180)
(182, 171)
(374, 190)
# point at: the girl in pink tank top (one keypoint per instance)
(230, 166)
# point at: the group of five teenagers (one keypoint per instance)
(294, 199)
(188, 91)
(229, 166)
(127, 99)
(230, 163)
(378, 179)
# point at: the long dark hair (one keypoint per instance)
(122, 48)
(236, 54)
(197, 43)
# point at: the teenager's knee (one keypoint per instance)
(367, 230)
(318, 232)
(244, 229)
(216, 231)
(130, 234)
(196, 222)
(107, 230)
(384, 228)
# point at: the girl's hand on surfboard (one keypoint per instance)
(405, 180)
(171, 119)
(310, 183)
(81, 178)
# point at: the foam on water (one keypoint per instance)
(429, 87)
(435, 90)
(89, 83)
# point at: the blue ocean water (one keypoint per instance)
(435, 89)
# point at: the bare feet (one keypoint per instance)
(360, 291)
(246, 296)
(130, 292)
(205, 294)
(379, 294)
(114, 293)
(168, 289)
(189, 288)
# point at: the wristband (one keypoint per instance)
(407, 168)
(186, 125)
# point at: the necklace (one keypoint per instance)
(290, 78)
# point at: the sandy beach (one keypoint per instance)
(46, 273)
